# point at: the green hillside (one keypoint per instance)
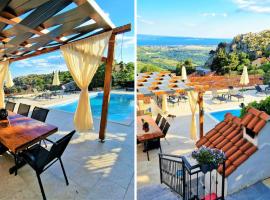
(167, 57)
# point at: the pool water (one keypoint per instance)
(121, 107)
(219, 115)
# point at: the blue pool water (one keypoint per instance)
(121, 107)
(219, 115)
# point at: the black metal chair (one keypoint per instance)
(158, 118)
(40, 159)
(3, 149)
(40, 114)
(10, 106)
(165, 130)
(162, 125)
(23, 109)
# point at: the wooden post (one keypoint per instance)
(107, 88)
(201, 112)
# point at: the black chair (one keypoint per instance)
(158, 118)
(162, 125)
(3, 149)
(23, 109)
(166, 128)
(40, 114)
(40, 159)
(10, 106)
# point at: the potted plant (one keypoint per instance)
(208, 158)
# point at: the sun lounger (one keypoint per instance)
(234, 93)
(216, 96)
(260, 90)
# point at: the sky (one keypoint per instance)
(120, 12)
(202, 18)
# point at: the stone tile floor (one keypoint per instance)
(95, 170)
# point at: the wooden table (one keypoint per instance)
(153, 133)
(20, 132)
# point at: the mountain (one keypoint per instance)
(155, 40)
(255, 45)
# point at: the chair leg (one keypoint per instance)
(63, 169)
(41, 186)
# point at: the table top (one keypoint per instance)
(20, 132)
(154, 130)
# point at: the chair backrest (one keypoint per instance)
(166, 128)
(158, 118)
(23, 109)
(59, 147)
(10, 106)
(40, 114)
(163, 122)
(258, 88)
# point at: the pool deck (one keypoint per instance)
(178, 138)
(95, 170)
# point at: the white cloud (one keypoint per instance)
(256, 6)
(127, 41)
(213, 14)
(144, 21)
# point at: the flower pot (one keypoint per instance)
(206, 168)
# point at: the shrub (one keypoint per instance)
(263, 105)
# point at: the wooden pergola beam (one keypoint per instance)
(116, 31)
(107, 88)
(16, 21)
(201, 113)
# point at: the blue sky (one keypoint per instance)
(121, 12)
(202, 18)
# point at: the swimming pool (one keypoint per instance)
(121, 107)
(219, 115)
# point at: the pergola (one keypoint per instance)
(165, 83)
(33, 27)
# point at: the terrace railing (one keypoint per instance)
(189, 181)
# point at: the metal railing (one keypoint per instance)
(188, 181)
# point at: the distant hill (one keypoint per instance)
(242, 50)
(154, 40)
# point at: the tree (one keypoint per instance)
(220, 61)
(178, 68)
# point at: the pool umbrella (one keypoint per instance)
(244, 77)
(56, 80)
(9, 81)
(184, 73)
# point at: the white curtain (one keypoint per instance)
(56, 80)
(82, 59)
(164, 103)
(193, 102)
(9, 81)
(3, 74)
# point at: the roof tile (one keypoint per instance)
(229, 170)
(231, 151)
(253, 122)
(246, 146)
(251, 150)
(254, 111)
(246, 119)
(235, 156)
(201, 142)
(240, 160)
(259, 126)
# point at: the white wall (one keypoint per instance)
(256, 167)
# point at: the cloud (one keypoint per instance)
(213, 14)
(255, 6)
(127, 41)
(144, 21)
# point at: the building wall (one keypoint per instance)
(255, 168)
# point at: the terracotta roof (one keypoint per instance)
(255, 120)
(228, 137)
